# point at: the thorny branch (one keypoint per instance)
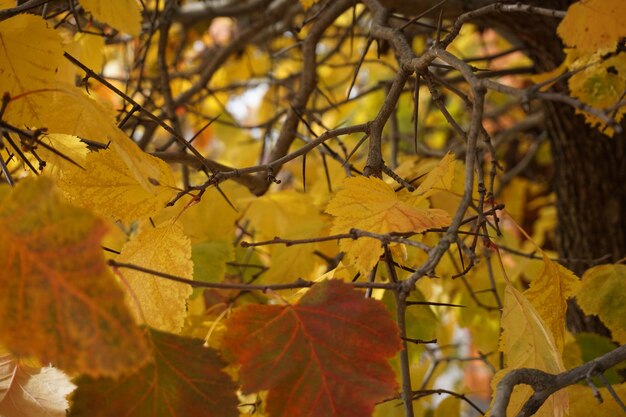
(436, 67)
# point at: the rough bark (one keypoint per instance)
(589, 168)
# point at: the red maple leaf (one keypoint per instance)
(325, 356)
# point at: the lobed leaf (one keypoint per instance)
(372, 205)
(184, 379)
(325, 356)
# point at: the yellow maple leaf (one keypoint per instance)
(123, 15)
(160, 302)
(603, 293)
(548, 294)
(371, 204)
(32, 391)
(59, 301)
(441, 176)
(528, 343)
(593, 24)
(25, 42)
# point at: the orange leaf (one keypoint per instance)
(307, 354)
(185, 379)
(59, 301)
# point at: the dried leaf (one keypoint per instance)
(325, 356)
(26, 391)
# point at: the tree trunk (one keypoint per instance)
(589, 167)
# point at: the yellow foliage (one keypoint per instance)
(67, 146)
(25, 42)
(583, 401)
(212, 218)
(440, 178)
(528, 343)
(548, 294)
(289, 215)
(209, 259)
(372, 205)
(123, 15)
(159, 302)
(88, 49)
(449, 407)
(593, 24)
(307, 4)
(603, 293)
(601, 85)
(124, 186)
